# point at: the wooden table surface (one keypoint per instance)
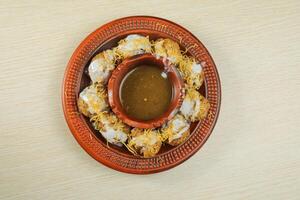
(253, 152)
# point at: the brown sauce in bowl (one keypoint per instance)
(145, 92)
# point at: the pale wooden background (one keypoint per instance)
(254, 151)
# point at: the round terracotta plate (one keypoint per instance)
(75, 80)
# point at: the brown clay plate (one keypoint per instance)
(75, 80)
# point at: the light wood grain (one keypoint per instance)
(253, 152)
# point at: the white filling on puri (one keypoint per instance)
(101, 66)
(133, 44)
(93, 100)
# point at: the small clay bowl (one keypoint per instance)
(126, 66)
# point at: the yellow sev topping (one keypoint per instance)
(167, 132)
(101, 91)
(172, 48)
(93, 99)
(102, 95)
(204, 107)
(185, 67)
(117, 55)
(169, 49)
(144, 141)
(192, 93)
(105, 118)
(172, 131)
(106, 59)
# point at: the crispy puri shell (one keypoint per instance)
(180, 140)
(204, 107)
(154, 150)
(83, 107)
(136, 132)
(147, 151)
